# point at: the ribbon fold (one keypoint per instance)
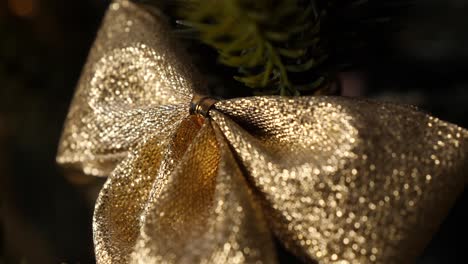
(336, 180)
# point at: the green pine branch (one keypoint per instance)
(266, 40)
(286, 47)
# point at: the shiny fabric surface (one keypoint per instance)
(336, 180)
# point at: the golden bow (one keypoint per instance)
(336, 180)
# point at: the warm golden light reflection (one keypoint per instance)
(23, 8)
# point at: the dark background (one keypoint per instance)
(45, 212)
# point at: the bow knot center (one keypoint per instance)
(201, 105)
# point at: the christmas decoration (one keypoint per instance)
(194, 179)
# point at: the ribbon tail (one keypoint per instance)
(204, 212)
(122, 201)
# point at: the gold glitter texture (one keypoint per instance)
(336, 180)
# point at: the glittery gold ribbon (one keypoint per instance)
(336, 180)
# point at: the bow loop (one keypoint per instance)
(136, 82)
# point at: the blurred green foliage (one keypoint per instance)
(285, 47)
(265, 40)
